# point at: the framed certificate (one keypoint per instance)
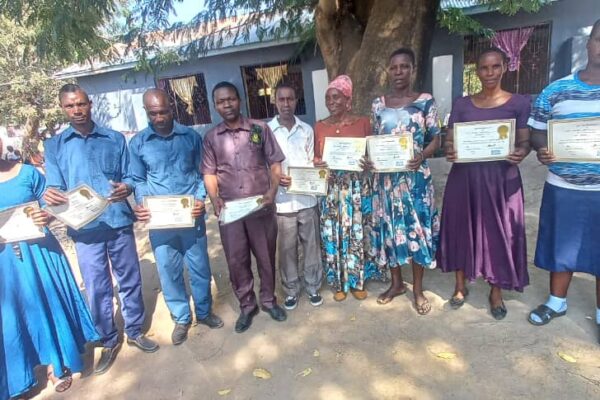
(390, 153)
(167, 212)
(575, 140)
(237, 209)
(308, 180)
(83, 206)
(344, 153)
(16, 224)
(484, 140)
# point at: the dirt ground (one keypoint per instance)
(362, 350)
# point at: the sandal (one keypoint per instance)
(60, 384)
(458, 302)
(545, 314)
(386, 297)
(498, 312)
(423, 308)
(359, 294)
(339, 296)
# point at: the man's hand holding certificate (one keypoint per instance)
(237, 209)
(344, 153)
(484, 141)
(169, 212)
(82, 207)
(574, 140)
(17, 223)
(390, 153)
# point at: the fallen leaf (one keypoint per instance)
(316, 353)
(567, 357)
(445, 355)
(224, 392)
(353, 318)
(305, 372)
(261, 373)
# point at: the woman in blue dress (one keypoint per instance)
(43, 317)
(405, 219)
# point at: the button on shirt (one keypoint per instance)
(240, 163)
(167, 165)
(95, 159)
(298, 145)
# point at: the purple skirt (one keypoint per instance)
(483, 224)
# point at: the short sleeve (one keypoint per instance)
(523, 111)
(318, 139)
(38, 183)
(375, 118)
(541, 112)
(454, 114)
(273, 153)
(432, 128)
(209, 160)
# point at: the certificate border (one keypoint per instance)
(310, 193)
(42, 234)
(387, 170)
(551, 124)
(358, 169)
(86, 221)
(511, 137)
(171, 226)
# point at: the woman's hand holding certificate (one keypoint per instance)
(20, 223)
(575, 140)
(484, 141)
(83, 205)
(344, 153)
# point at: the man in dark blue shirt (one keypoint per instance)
(90, 154)
(165, 160)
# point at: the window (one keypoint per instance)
(188, 98)
(531, 76)
(260, 82)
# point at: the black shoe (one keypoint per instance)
(244, 321)
(290, 302)
(276, 312)
(107, 357)
(315, 299)
(212, 321)
(143, 343)
(499, 312)
(180, 333)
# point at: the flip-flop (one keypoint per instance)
(545, 314)
(458, 302)
(498, 312)
(424, 308)
(387, 298)
(61, 384)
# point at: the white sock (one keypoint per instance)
(558, 304)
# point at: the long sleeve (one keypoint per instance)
(54, 176)
(137, 171)
(200, 188)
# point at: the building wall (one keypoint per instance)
(568, 19)
(117, 96)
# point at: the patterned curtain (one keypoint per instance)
(512, 42)
(184, 88)
(271, 76)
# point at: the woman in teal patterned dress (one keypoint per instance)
(405, 220)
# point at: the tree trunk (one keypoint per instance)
(356, 37)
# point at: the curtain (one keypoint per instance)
(271, 76)
(184, 88)
(512, 42)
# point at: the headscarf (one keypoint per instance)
(343, 83)
(11, 147)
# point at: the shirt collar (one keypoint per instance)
(277, 125)
(244, 126)
(178, 129)
(71, 132)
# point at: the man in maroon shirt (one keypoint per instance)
(242, 159)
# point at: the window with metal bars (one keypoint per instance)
(186, 90)
(260, 82)
(533, 72)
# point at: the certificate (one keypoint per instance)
(484, 141)
(344, 153)
(575, 140)
(168, 212)
(237, 209)
(83, 206)
(390, 153)
(16, 224)
(308, 180)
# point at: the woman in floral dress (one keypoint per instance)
(405, 220)
(347, 203)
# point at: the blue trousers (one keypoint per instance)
(94, 250)
(171, 248)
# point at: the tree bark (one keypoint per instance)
(356, 37)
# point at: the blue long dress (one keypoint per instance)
(43, 317)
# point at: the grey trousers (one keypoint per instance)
(303, 225)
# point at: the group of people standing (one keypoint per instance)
(368, 225)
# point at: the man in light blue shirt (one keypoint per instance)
(86, 153)
(165, 160)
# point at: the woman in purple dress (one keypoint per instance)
(483, 223)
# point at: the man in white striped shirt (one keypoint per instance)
(297, 215)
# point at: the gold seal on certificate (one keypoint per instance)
(83, 206)
(390, 153)
(237, 209)
(484, 141)
(575, 140)
(308, 180)
(16, 223)
(344, 153)
(167, 212)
